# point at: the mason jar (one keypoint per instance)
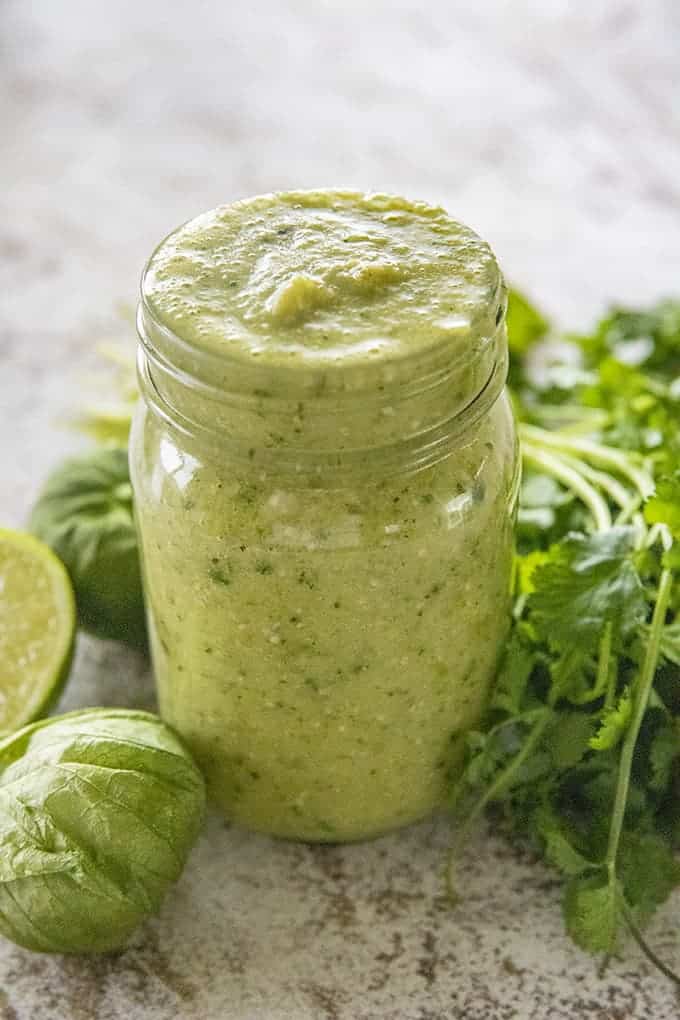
(326, 527)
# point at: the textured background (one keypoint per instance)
(554, 129)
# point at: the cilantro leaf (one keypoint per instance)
(664, 751)
(562, 855)
(526, 566)
(591, 909)
(560, 839)
(664, 506)
(511, 685)
(648, 870)
(573, 677)
(526, 325)
(670, 643)
(491, 753)
(648, 337)
(590, 580)
(614, 724)
(571, 738)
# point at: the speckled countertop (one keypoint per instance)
(554, 129)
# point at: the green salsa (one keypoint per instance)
(326, 548)
(322, 276)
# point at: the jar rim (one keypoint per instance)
(411, 454)
(162, 379)
(407, 374)
(365, 368)
(412, 399)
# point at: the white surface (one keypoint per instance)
(554, 129)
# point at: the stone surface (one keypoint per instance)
(554, 129)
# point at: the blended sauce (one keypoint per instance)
(323, 276)
(325, 631)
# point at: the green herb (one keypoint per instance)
(84, 513)
(579, 756)
(98, 812)
(220, 574)
(526, 326)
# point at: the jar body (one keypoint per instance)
(322, 645)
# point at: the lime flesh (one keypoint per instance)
(37, 629)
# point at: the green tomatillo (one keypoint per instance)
(98, 812)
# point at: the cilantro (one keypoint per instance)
(664, 506)
(670, 643)
(614, 724)
(580, 752)
(563, 855)
(571, 738)
(649, 872)
(526, 325)
(591, 913)
(588, 581)
(511, 684)
(663, 753)
(649, 337)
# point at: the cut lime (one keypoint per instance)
(37, 629)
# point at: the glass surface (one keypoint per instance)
(322, 651)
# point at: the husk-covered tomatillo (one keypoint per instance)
(98, 812)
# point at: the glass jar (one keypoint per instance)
(327, 559)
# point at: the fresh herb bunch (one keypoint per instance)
(580, 755)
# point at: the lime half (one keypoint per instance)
(37, 629)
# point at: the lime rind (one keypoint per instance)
(56, 662)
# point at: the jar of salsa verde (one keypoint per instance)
(325, 473)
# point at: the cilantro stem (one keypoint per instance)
(596, 453)
(561, 417)
(606, 677)
(628, 749)
(574, 480)
(647, 949)
(613, 488)
(656, 532)
(504, 779)
(629, 510)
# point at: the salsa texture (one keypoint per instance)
(323, 276)
(325, 619)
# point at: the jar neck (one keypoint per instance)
(398, 415)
